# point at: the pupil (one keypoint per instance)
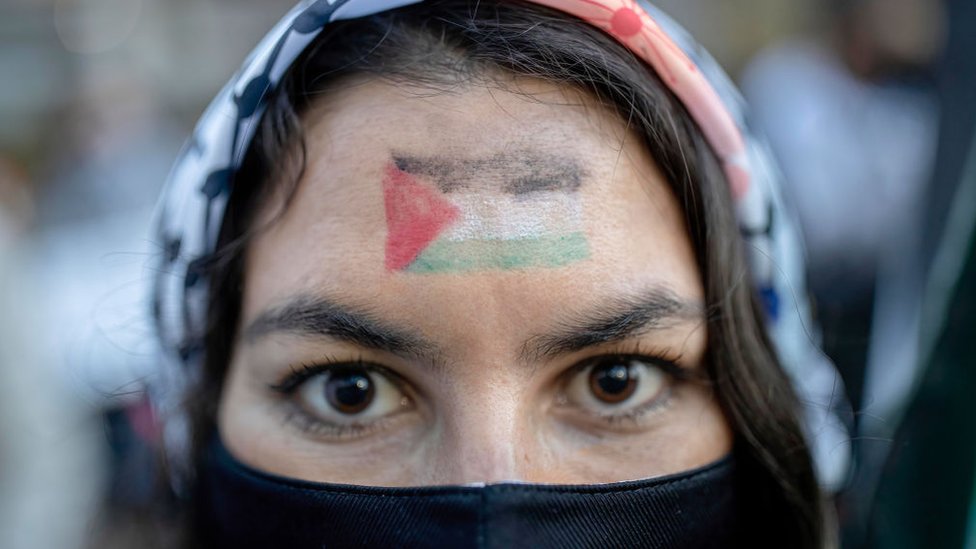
(349, 392)
(612, 384)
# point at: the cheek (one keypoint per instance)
(246, 422)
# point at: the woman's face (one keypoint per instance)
(473, 286)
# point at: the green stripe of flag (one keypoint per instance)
(479, 255)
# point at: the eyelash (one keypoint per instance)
(306, 423)
(667, 363)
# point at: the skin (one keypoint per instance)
(483, 402)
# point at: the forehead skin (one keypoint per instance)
(331, 241)
(333, 235)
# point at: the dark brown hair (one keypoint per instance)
(443, 45)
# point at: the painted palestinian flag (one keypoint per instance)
(497, 213)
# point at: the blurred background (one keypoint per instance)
(870, 105)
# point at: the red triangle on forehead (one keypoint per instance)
(416, 214)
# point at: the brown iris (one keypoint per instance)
(350, 391)
(613, 382)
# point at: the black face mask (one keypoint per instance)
(243, 507)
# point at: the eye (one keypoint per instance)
(349, 395)
(617, 385)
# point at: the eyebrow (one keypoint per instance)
(620, 319)
(321, 317)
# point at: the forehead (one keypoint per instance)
(485, 166)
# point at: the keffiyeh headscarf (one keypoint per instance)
(193, 203)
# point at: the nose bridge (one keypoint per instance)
(485, 436)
